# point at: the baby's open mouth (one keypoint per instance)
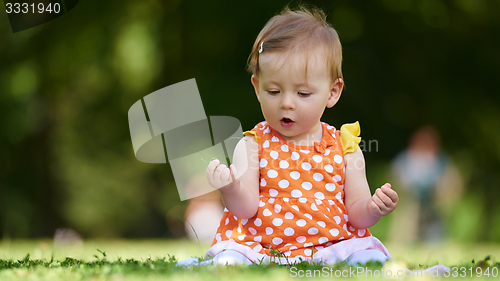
(286, 122)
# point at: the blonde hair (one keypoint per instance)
(299, 31)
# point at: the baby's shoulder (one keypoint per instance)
(246, 147)
(262, 128)
(259, 131)
(331, 129)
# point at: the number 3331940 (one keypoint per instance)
(18, 8)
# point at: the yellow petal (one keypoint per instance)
(349, 137)
(251, 133)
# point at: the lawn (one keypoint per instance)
(154, 260)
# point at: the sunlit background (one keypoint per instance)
(66, 157)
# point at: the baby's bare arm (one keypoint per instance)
(363, 209)
(238, 184)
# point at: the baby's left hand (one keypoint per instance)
(383, 201)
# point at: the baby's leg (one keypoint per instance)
(364, 256)
(231, 257)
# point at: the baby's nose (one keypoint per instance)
(287, 102)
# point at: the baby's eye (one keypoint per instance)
(273, 92)
(304, 94)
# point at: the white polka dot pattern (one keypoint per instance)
(277, 222)
(301, 239)
(272, 174)
(313, 231)
(322, 240)
(318, 177)
(274, 154)
(329, 168)
(265, 144)
(319, 195)
(295, 175)
(317, 158)
(277, 208)
(301, 222)
(338, 159)
(283, 183)
(269, 230)
(307, 185)
(273, 192)
(289, 231)
(296, 193)
(277, 241)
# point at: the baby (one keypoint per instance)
(297, 188)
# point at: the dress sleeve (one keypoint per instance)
(349, 137)
(252, 133)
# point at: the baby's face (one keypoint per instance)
(292, 100)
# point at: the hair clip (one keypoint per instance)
(261, 47)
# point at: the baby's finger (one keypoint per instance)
(234, 172)
(378, 202)
(218, 178)
(225, 176)
(384, 198)
(374, 209)
(392, 194)
(386, 185)
(211, 168)
(220, 168)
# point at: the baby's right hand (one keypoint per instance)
(383, 201)
(220, 176)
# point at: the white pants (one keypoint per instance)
(360, 257)
(232, 257)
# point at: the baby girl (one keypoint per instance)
(297, 189)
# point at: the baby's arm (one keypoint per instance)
(238, 184)
(363, 209)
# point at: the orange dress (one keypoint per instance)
(301, 210)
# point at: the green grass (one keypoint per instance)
(156, 259)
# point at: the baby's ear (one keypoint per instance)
(255, 83)
(335, 92)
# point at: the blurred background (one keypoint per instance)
(66, 158)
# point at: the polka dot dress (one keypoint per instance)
(301, 208)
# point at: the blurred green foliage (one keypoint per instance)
(66, 158)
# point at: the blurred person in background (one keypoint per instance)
(203, 213)
(429, 185)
